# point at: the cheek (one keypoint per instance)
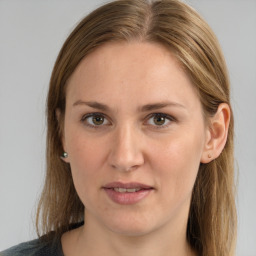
(84, 150)
(177, 162)
(86, 157)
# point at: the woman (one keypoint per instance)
(140, 138)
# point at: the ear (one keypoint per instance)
(61, 133)
(217, 133)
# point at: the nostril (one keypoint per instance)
(124, 168)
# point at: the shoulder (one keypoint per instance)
(35, 248)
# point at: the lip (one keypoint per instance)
(127, 198)
(127, 185)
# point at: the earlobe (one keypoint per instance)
(57, 114)
(217, 133)
(64, 155)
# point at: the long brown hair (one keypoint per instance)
(211, 228)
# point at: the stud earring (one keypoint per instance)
(209, 155)
(64, 155)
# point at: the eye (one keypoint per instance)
(95, 120)
(160, 120)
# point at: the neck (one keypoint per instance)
(93, 239)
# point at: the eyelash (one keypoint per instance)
(170, 118)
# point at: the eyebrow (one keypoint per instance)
(144, 108)
(92, 104)
(155, 106)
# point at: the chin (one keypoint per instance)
(132, 227)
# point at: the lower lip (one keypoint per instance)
(128, 197)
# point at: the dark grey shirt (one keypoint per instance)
(35, 248)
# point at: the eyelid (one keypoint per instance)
(167, 116)
(86, 116)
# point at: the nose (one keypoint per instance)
(126, 149)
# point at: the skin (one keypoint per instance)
(133, 146)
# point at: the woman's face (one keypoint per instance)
(135, 135)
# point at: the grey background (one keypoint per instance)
(31, 34)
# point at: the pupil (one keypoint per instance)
(98, 120)
(159, 120)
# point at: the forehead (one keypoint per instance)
(130, 70)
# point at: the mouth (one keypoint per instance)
(130, 187)
(127, 193)
(126, 190)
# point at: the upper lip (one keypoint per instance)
(127, 185)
